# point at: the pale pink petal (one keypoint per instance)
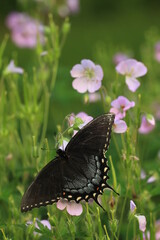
(94, 97)
(98, 73)
(126, 67)
(80, 84)
(118, 114)
(132, 206)
(151, 179)
(93, 86)
(86, 63)
(61, 204)
(74, 209)
(142, 222)
(143, 174)
(115, 103)
(124, 103)
(146, 127)
(11, 68)
(77, 71)
(157, 51)
(46, 223)
(150, 119)
(85, 118)
(132, 83)
(119, 126)
(73, 6)
(119, 57)
(140, 70)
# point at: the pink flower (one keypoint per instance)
(11, 68)
(120, 106)
(142, 222)
(132, 69)
(147, 124)
(94, 97)
(73, 6)
(88, 76)
(157, 51)
(70, 7)
(25, 31)
(83, 116)
(45, 223)
(143, 174)
(119, 126)
(132, 206)
(151, 179)
(119, 57)
(73, 208)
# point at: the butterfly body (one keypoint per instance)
(79, 172)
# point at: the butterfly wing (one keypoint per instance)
(46, 188)
(85, 174)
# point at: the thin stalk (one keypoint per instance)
(45, 120)
(122, 212)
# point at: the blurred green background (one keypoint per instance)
(114, 23)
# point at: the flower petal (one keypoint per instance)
(61, 204)
(132, 206)
(80, 84)
(74, 209)
(132, 83)
(119, 126)
(86, 63)
(93, 86)
(142, 222)
(46, 223)
(98, 73)
(146, 126)
(140, 70)
(77, 71)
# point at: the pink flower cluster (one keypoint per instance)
(25, 31)
(119, 108)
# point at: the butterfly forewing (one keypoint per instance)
(93, 138)
(78, 173)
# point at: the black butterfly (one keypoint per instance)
(79, 172)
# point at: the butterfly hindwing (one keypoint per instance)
(46, 188)
(79, 172)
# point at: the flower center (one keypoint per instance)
(89, 73)
(121, 108)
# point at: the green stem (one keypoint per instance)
(116, 145)
(45, 120)
(122, 212)
(105, 229)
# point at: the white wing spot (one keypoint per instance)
(79, 198)
(87, 196)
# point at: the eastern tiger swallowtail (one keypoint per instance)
(79, 172)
